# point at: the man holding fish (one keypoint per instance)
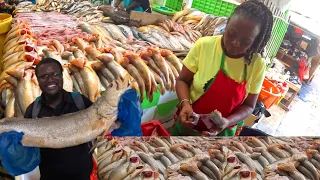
(135, 5)
(66, 163)
(223, 75)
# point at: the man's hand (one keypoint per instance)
(185, 115)
(16, 158)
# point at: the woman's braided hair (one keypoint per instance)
(260, 13)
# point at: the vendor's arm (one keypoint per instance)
(133, 5)
(184, 82)
(243, 111)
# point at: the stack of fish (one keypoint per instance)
(24, 7)
(53, 5)
(18, 87)
(174, 28)
(185, 158)
(85, 11)
(188, 16)
(206, 24)
(211, 25)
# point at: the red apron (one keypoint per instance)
(223, 94)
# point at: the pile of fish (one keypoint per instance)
(48, 26)
(18, 88)
(91, 61)
(187, 158)
(206, 24)
(85, 11)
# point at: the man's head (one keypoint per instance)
(49, 75)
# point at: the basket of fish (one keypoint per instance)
(208, 158)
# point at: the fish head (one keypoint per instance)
(105, 58)
(79, 62)
(50, 79)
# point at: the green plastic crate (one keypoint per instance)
(163, 10)
(215, 7)
(174, 4)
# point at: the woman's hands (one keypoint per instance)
(217, 128)
(185, 115)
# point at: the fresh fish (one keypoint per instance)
(146, 55)
(90, 78)
(19, 65)
(12, 81)
(143, 70)
(115, 32)
(59, 132)
(117, 70)
(136, 75)
(81, 44)
(172, 59)
(106, 34)
(17, 33)
(183, 41)
(9, 111)
(50, 53)
(25, 39)
(20, 48)
(103, 80)
(92, 53)
(23, 56)
(161, 63)
(182, 13)
(127, 30)
(24, 91)
(35, 86)
(67, 80)
(126, 169)
(135, 32)
(135, 173)
(59, 47)
(87, 28)
(76, 86)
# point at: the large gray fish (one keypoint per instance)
(115, 32)
(70, 129)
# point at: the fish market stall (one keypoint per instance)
(90, 45)
(208, 158)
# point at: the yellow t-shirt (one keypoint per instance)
(204, 59)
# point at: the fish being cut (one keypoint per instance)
(70, 129)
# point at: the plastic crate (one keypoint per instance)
(174, 4)
(163, 10)
(215, 7)
(150, 126)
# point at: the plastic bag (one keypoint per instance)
(130, 113)
(16, 158)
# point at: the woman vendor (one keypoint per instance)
(224, 73)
